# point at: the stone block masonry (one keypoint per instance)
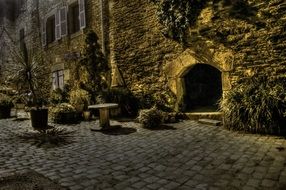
(236, 40)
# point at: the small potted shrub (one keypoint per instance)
(5, 106)
(63, 113)
(80, 99)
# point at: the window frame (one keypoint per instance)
(62, 21)
(58, 79)
(53, 16)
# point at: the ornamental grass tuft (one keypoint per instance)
(256, 104)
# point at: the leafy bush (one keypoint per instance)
(150, 118)
(170, 117)
(127, 102)
(91, 71)
(163, 100)
(63, 113)
(80, 99)
(56, 96)
(60, 96)
(256, 104)
(5, 101)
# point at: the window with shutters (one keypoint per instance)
(76, 16)
(58, 79)
(74, 25)
(65, 20)
(50, 29)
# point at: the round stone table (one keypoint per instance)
(103, 113)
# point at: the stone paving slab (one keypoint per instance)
(193, 156)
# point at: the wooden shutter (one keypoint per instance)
(57, 25)
(63, 20)
(44, 32)
(82, 21)
(55, 81)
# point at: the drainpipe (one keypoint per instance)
(102, 6)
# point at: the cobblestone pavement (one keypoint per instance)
(190, 156)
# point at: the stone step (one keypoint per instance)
(210, 122)
(204, 115)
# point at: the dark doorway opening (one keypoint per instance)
(203, 88)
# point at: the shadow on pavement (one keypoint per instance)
(116, 130)
(163, 127)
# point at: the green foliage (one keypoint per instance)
(28, 73)
(170, 117)
(163, 100)
(90, 73)
(150, 118)
(60, 96)
(257, 105)
(80, 99)
(63, 113)
(5, 101)
(176, 16)
(126, 100)
(56, 96)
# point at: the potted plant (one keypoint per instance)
(63, 113)
(5, 106)
(28, 74)
(80, 99)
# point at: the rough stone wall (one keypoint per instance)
(238, 39)
(138, 48)
(254, 35)
(6, 28)
(57, 52)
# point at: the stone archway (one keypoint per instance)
(177, 69)
(203, 89)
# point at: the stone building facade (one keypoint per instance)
(230, 40)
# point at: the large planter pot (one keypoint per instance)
(5, 112)
(39, 118)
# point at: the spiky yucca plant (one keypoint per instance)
(256, 104)
(28, 72)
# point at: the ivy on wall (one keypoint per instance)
(177, 16)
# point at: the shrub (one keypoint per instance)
(150, 118)
(170, 117)
(63, 113)
(5, 101)
(58, 95)
(257, 105)
(80, 99)
(5, 106)
(127, 102)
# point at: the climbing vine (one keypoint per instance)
(177, 16)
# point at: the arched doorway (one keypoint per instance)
(203, 88)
